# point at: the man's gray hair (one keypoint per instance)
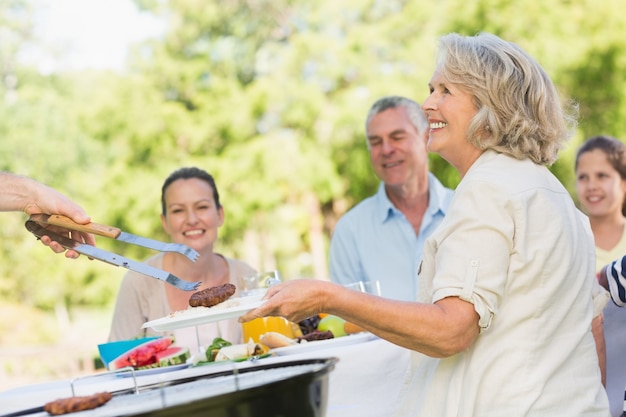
(413, 109)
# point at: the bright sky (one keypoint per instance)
(80, 34)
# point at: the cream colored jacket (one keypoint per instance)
(514, 245)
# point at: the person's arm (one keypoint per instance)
(600, 300)
(441, 329)
(19, 193)
(597, 328)
(442, 324)
(602, 280)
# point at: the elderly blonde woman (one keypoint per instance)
(503, 323)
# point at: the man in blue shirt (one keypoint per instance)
(382, 237)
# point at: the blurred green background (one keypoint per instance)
(270, 97)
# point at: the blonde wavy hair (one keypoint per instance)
(519, 109)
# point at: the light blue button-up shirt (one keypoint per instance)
(374, 241)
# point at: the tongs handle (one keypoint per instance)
(67, 223)
(39, 231)
(34, 225)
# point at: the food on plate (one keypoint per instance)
(325, 326)
(74, 404)
(309, 324)
(315, 335)
(276, 340)
(173, 355)
(218, 343)
(334, 324)
(223, 350)
(351, 328)
(295, 329)
(208, 354)
(153, 354)
(241, 351)
(212, 296)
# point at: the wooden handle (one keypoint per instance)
(94, 228)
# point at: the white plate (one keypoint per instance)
(193, 316)
(324, 344)
(152, 371)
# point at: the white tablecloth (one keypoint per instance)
(366, 379)
(365, 382)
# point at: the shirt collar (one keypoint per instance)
(438, 197)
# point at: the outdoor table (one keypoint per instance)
(365, 381)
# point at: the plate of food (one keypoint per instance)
(203, 310)
(311, 346)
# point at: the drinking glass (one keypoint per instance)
(370, 287)
(257, 283)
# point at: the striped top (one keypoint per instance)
(615, 275)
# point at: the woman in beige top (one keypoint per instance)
(191, 215)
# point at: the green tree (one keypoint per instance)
(270, 97)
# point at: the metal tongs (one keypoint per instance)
(37, 222)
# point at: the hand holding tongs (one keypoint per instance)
(35, 224)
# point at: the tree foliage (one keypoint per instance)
(270, 96)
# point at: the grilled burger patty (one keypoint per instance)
(74, 404)
(212, 296)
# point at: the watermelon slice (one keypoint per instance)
(112, 350)
(143, 355)
(174, 355)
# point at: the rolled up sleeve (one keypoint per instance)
(473, 252)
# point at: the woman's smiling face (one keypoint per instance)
(192, 216)
(599, 185)
(450, 110)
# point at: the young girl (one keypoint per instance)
(601, 187)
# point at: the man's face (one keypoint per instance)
(397, 151)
